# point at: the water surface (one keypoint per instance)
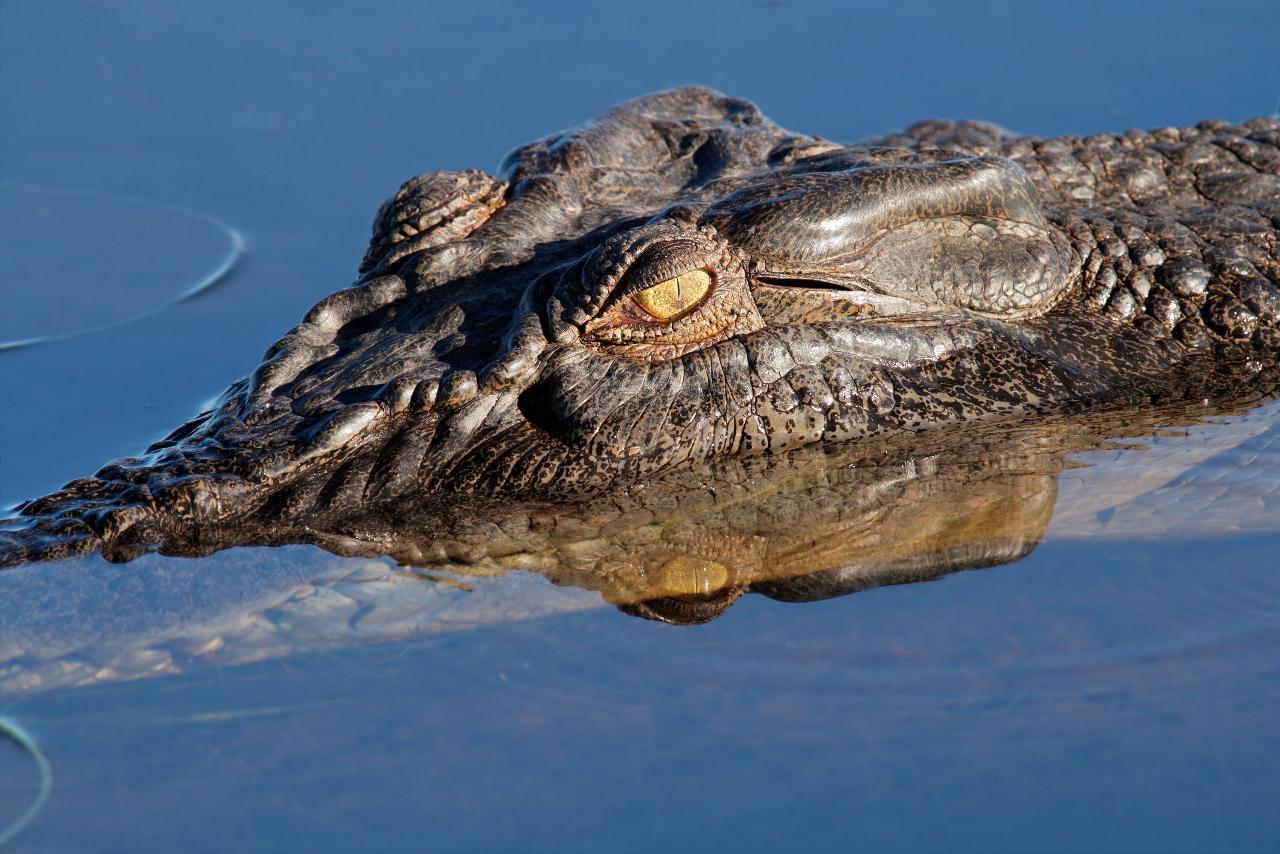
(1114, 689)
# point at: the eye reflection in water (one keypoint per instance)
(802, 527)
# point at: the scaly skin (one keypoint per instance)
(501, 341)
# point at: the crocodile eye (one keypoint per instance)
(672, 298)
(701, 306)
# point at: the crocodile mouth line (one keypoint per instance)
(861, 302)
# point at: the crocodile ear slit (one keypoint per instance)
(966, 233)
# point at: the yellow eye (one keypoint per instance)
(674, 297)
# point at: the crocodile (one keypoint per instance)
(679, 285)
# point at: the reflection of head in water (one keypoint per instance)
(841, 529)
(701, 608)
(795, 528)
(969, 499)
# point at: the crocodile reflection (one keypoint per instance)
(818, 526)
(810, 525)
(804, 526)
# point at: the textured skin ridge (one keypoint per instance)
(954, 272)
(1176, 225)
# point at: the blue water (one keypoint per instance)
(1097, 695)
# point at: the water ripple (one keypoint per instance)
(75, 261)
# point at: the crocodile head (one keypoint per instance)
(677, 282)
